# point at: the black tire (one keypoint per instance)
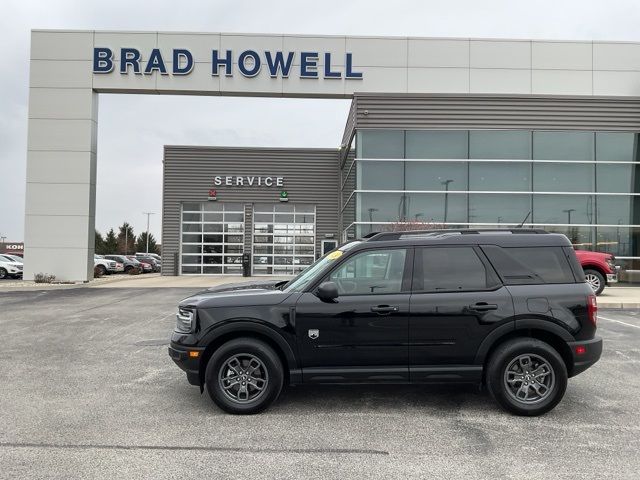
(3, 273)
(102, 271)
(595, 280)
(507, 356)
(128, 268)
(219, 372)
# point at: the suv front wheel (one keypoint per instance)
(244, 376)
(526, 376)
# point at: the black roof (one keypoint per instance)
(519, 237)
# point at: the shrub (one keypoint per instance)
(44, 278)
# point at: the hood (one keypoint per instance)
(250, 285)
(257, 292)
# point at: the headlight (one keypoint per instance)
(184, 320)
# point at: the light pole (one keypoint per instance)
(148, 214)
(446, 197)
(568, 212)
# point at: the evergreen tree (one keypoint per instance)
(110, 243)
(126, 240)
(99, 244)
(141, 243)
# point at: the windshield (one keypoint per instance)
(305, 277)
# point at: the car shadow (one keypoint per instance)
(392, 397)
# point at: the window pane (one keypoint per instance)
(619, 241)
(430, 207)
(437, 144)
(380, 144)
(450, 269)
(531, 265)
(380, 175)
(563, 145)
(497, 176)
(562, 177)
(582, 238)
(513, 145)
(213, 207)
(616, 210)
(618, 178)
(191, 217)
(563, 209)
(436, 175)
(372, 272)
(621, 147)
(191, 207)
(379, 207)
(498, 209)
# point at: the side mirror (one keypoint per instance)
(327, 291)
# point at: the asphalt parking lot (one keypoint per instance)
(88, 391)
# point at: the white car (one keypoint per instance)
(9, 267)
(104, 265)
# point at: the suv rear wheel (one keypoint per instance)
(244, 376)
(526, 376)
(595, 280)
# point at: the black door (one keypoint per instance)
(363, 334)
(457, 301)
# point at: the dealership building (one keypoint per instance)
(441, 133)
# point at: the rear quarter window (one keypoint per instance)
(530, 265)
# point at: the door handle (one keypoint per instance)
(382, 309)
(483, 307)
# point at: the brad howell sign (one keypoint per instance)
(249, 63)
(248, 181)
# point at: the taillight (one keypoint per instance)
(592, 309)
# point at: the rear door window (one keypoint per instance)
(439, 269)
(530, 265)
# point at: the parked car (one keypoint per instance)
(509, 310)
(600, 269)
(127, 263)
(10, 267)
(145, 254)
(155, 263)
(15, 258)
(146, 266)
(104, 265)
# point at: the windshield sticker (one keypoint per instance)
(334, 255)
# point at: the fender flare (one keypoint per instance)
(516, 325)
(252, 326)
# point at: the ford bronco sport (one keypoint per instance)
(507, 309)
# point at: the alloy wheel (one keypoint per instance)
(593, 281)
(529, 379)
(243, 378)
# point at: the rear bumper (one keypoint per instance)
(592, 353)
(190, 365)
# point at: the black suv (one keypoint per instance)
(509, 309)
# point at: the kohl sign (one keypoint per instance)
(249, 63)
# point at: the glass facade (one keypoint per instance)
(584, 184)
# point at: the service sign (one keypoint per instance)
(249, 63)
(248, 181)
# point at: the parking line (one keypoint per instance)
(618, 321)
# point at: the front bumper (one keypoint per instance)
(190, 365)
(592, 353)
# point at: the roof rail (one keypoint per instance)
(408, 234)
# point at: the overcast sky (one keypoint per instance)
(133, 129)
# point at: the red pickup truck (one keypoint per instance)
(599, 269)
